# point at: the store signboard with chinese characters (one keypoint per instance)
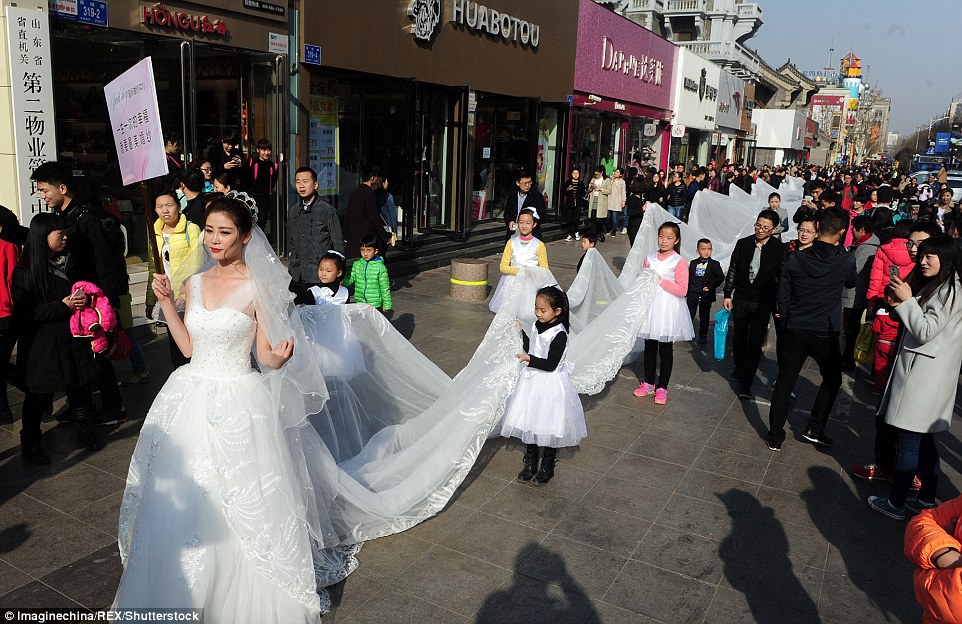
(135, 123)
(322, 143)
(618, 59)
(731, 94)
(31, 82)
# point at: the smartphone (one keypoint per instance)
(79, 292)
(894, 272)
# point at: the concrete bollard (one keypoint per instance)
(469, 279)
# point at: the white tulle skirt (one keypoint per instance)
(336, 346)
(545, 409)
(187, 495)
(504, 286)
(669, 319)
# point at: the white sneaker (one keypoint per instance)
(578, 236)
(569, 239)
(624, 230)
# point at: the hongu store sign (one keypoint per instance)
(160, 15)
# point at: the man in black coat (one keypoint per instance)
(363, 216)
(810, 306)
(313, 229)
(96, 245)
(191, 184)
(751, 287)
(524, 197)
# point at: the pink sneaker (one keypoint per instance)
(644, 389)
(661, 396)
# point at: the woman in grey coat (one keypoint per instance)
(920, 395)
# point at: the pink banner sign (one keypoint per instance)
(135, 123)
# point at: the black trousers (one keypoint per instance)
(106, 382)
(751, 326)
(852, 322)
(35, 404)
(886, 443)
(654, 349)
(797, 347)
(8, 338)
(702, 305)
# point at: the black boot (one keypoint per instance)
(530, 462)
(34, 454)
(547, 465)
(83, 419)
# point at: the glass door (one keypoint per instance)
(431, 161)
(265, 116)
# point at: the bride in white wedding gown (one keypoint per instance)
(210, 516)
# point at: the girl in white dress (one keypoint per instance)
(669, 320)
(522, 250)
(330, 272)
(544, 411)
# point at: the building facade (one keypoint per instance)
(694, 107)
(218, 65)
(450, 103)
(622, 96)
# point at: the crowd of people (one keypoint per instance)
(874, 254)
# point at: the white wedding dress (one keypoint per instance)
(208, 519)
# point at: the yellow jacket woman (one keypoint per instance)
(180, 243)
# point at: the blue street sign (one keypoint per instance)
(92, 12)
(312, 54)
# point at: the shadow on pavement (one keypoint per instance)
(756, 563)
(542, 591)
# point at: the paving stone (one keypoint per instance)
(743, 467)
(665, 449)
(660, 594)
(452, 579)
(91, 580)
(690, 555)
(571, 565)
(614, 532)
(492, 539)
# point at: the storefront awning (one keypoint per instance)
(589, 101)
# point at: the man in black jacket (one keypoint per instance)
(363, 217)
(524, 197)
(96, 245)
(750, 290)
(810, 304)
(191, 184)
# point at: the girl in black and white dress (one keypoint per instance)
(544, 410)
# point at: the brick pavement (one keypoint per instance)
(675, 513)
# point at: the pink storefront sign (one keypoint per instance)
(621, 60)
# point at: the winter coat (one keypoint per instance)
(810, 289)
(95, 320)
(765, 287)
(48, 356)
(371, 282)
(96, 247)
(362, 217)
(938, 591)
(926, 369)
(601, 207)
(864, 255)
(184, 252)
(532, 200)
(619, 194)
(889, 254)
(311, 231)
(574, 200)
(677, 194)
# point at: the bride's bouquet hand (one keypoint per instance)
(161, 287)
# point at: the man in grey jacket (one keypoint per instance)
(313, 228)
(864, 245)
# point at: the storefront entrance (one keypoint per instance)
(202, 90)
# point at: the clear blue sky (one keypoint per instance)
(910, 48)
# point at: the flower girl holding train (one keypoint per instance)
(522, 250)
